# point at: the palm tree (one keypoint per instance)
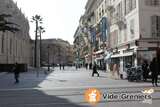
(37, 19)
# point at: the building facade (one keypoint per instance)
(93, 32)
(56, 51)
(132, 33)
(15, 47)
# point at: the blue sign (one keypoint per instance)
(103, 29)
(93, 35)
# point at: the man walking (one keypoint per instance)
(16, 71)
(86, 65)
(63, 66)
(155, 69)
(145, 70)
(95, 70)
(60, 66)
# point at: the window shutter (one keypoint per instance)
(148, 2)
(158, 26)
(153, 26)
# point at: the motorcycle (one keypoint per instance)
(135, 74)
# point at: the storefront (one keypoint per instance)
(99, 58)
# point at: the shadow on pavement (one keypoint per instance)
(30, 79)
(34, 98)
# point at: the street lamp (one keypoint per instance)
(41, 30)
(48, 59)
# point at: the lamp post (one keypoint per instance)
(48, 58)
(41, 30)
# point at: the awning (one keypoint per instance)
(98, 52)
(99, 58)
(122, 55)
(108, 56)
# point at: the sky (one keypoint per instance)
(60, 17)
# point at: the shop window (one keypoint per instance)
(155, 26)
(152, 2)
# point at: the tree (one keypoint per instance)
(6, 25)
(37, 19)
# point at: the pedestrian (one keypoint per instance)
(63, 66)
(60, 66)
(145, 70)
(86, 66)
(95, 70)
(155, 69)
(90, 66)
(16, 71)
(76, 66)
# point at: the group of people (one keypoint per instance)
(93, 67)
(154, 67)
(61, 66)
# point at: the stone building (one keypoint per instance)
(15, 47)
(56, 51)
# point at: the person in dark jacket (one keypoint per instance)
(95, 70)
(155, 69)
(86, 65)
(16, 71)
(145, 70)
(63, 66)
(90, 66)
(60, 66)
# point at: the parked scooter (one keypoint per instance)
(135, 74)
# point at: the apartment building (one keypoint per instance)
(134, 31)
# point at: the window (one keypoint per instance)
(129, 5)
(119, 10)
(155, 26)
(152, 2)
(2, 49)
(10, 46)
(133, 4)
(132, 32)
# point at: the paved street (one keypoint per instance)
(66, 88)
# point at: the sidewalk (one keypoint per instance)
(68, 78)
(3, 73)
